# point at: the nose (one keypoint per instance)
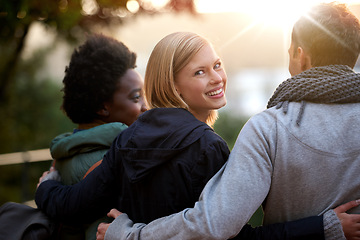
(143, 108)
(215, 77)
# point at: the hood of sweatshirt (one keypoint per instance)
(68, 145)
(155, 138)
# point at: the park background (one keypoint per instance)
(38, 37)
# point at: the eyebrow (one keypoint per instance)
(134, 91)
(217, 60)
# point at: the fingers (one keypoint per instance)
(347, 206)
(102, 228)
(44, 174)
(42, 177)
(114, 213)
(52, 169)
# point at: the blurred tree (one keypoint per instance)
(228, 127)
(70, 18)
(30, 119)
(32, 115)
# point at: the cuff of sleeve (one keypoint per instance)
(332, 226)
(55, 175)
(123, 228)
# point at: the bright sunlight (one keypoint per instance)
(275, 13)
(282, 13)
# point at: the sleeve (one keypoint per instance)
(310, 228)
(215, 153)
(84, 201)
(332, 226)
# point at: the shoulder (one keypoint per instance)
(268, 119)
(166, 114)
(110, 130)
(61, 136)
(212, 142)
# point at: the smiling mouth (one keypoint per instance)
(213, 93)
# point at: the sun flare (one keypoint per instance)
(281, 13)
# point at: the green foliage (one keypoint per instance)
(16, 15)
(257, 218)
(228, 127)
(18, 182)
(30, 120)
(32, 116)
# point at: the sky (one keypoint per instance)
(275, 12)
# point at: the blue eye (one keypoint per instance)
(199, 72)
(218, 65)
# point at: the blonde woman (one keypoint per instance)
(160, 164)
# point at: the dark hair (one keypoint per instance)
(330, 34)
(92, 76)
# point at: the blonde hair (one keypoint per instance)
(168, 57)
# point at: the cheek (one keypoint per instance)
(292, 68)
(224, 77)
(134, 111)
(129, 115)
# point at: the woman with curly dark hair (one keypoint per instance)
(103, 94)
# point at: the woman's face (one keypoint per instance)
(202, 82)
(128, 101)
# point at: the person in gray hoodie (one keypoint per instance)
(299, 157)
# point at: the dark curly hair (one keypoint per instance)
(92, 76)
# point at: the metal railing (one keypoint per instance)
(24, 157)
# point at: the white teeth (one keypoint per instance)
(215, 92)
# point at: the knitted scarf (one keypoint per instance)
(327, 84)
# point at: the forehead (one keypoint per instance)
(131, 79)
(206, 55)
(291, 46)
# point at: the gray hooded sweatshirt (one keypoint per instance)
(294, 170)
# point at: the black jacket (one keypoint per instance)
(156, 167)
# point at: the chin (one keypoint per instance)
(220, 105)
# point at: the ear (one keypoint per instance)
(177, 90)
(103, 112)
(305, 60)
